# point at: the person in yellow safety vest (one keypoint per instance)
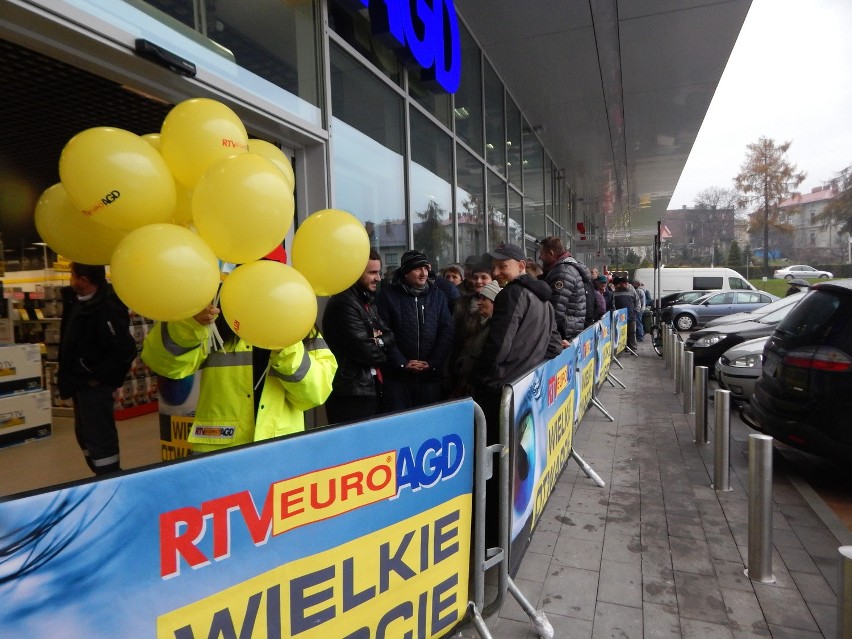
(230, 412)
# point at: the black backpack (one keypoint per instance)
(591, 304)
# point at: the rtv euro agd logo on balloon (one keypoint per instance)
(165, 210)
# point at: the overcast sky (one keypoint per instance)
(789, 78)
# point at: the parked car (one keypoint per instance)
(758, 312)
(802, 271)
(739, 368)
(804, 397)
(708, 344)
(699, 312)
(684, 297)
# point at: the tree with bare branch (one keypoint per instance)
(839, 209)
(767, 178)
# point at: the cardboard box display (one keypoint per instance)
(24, 416)
(20, 368)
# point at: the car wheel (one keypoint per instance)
(788, 277)
(823, 276)
(684, 322)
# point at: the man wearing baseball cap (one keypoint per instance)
(523, 334)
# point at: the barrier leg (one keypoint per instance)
(617, 363)
(597, 404)
(617, 381)
(540, 622)
(591, 474)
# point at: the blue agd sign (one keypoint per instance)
(423, 34)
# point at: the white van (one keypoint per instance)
(674, 280)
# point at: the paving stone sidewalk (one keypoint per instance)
(657, 552)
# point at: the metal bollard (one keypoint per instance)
(686, 382)
(722, 452)
(701, 405)
(844, 593)
(678, 366)
(667, 345)
(760, 509)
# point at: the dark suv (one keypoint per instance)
(804, 397)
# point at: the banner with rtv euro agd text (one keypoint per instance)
(357, 531)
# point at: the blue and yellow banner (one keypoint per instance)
(603, 341)
(361, 530)
(620, 325)
(541, 436)
(586, 356)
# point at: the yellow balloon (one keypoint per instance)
(268, 304)
(70, 233)
(164, 272)
(117, 178)
(276, 156)
(183, 208)
(242, 207)
(153, 139)
(326, 233)
(196, 133)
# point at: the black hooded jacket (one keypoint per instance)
(523, 333)
(95, 343)
(348, 326)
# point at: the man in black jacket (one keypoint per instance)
(419, 316)
(95, 353)
(566, 277)
(523, 332)
(359, 340)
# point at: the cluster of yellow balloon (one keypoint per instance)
(163, 209)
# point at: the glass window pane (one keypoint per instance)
(548, 186)
(275, 40)
(367, 161)
(533, 185)
(181, 10)
(496, 210)
(354, 27)
(516, 219)
(468, 99)
(437, 103)
(469, 199)
(364, 102)
(495, 134)
(513, 141)
(431, 191)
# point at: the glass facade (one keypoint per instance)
(475, 172)
(449, 174)
(366, 153)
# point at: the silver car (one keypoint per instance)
(740, 367)
(699, 312)
(802, 271)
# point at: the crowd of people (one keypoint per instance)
(411, 339)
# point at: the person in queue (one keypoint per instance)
(247, 393)
(419, 316)
(95, 353)
(359, 340)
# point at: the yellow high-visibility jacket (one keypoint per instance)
(299, 378)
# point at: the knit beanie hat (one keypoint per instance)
(410, 261)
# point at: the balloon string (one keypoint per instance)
(263, 377)
(214, 338)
